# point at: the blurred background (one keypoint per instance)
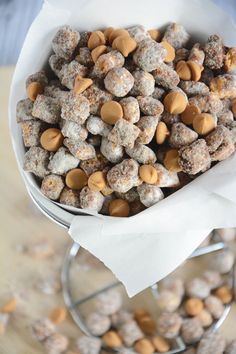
(32, 247)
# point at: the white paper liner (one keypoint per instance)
(144, 248)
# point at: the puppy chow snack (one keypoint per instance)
(198, 288)
(56, 343)
(89, 345)
(191, 330)
(109, 302)
(169, 324)
(97, 323)
(113, 102)
(211, 343)
(130, 333)
(168, 301)
(42, 329)
(62, 161)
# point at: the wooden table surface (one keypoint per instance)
(20, 273)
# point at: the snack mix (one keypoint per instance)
(125, 117)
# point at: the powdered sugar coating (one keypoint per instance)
(52, 186)
(89, 345)
(84, 57)
(215, 306)
(165, 76)
(207, 103)
(106, 62)
(42, 329)
(195, 157)
(193, 88)
(169, 324)
(224, 86)
(214, 52)
(141, 153)
(181, 135)
(197, 287)
(62, 161)
(65, 42)
(130, 333)
(57, 343)
(91, 200)
(70, 197)
(150, 106)
(109, 302)
(31, 131)
(191, 330)
(149, 194)
(148, 55)
(80, 149)
(131, 111)
(144, 83)
(46, 109)
(138, 33)
(97, 323)
(73, 130)
(119, 82)
(165, 177)
(36, 161)
(176, 35)
(147, 126)
(69, 72)
(97, 126)
(123, 176)
(197, 54)
(96, 97)
(98, 163)
(211, 343)
(56, 63)
(39, 77)
(111, 151)
(76, 108)
(124, 133)
(220, 143)
(24, 110)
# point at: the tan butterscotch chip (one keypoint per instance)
(111, 112)
(96, 52)
(119, 208)
(124, 44)
(175, 102)
(225, 294)
(58, 315)
(189, 114)
(96, 181)
(193, 306)
(233, 107)
(148, 174)
(118, 32)
(96, 38)
(9, 306)
(196, 70)
(203, 123)
(144, 346)
(76, 179)
(107, 32)
(112, 339)
(162, 133)
(183, 70)
(34, 89)
(81, 84)
(107, 190)
(160, 344)
(51, 139)
(170, 51)
(230, 60)
(147, 325)
(155, 34)
(139, 313)
(171, 161)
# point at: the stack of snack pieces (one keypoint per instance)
(127, 116)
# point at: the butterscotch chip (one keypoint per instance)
(203, 123)
(193, 306)
(147, 325)
(58, 315)
(76, 179)
(96, 52)
(81, 84)
(139, 313)
(34, 89)
(196, 70)
(225, 294)
(171, 161)
(111, 112)
(230, 60)
(160, 344)
(162, 133)
(183, 70)
(124, 44)
(116, 33)
(107, 32)
(170, 52)
(148, 174)
(175, 102)
(119, 207)
(189, 114)
(96, 38)
(9, 306)
(234, 107)
(155, 34)
(96, 181)
(112, 339)
(51, 139)
(144, 346)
